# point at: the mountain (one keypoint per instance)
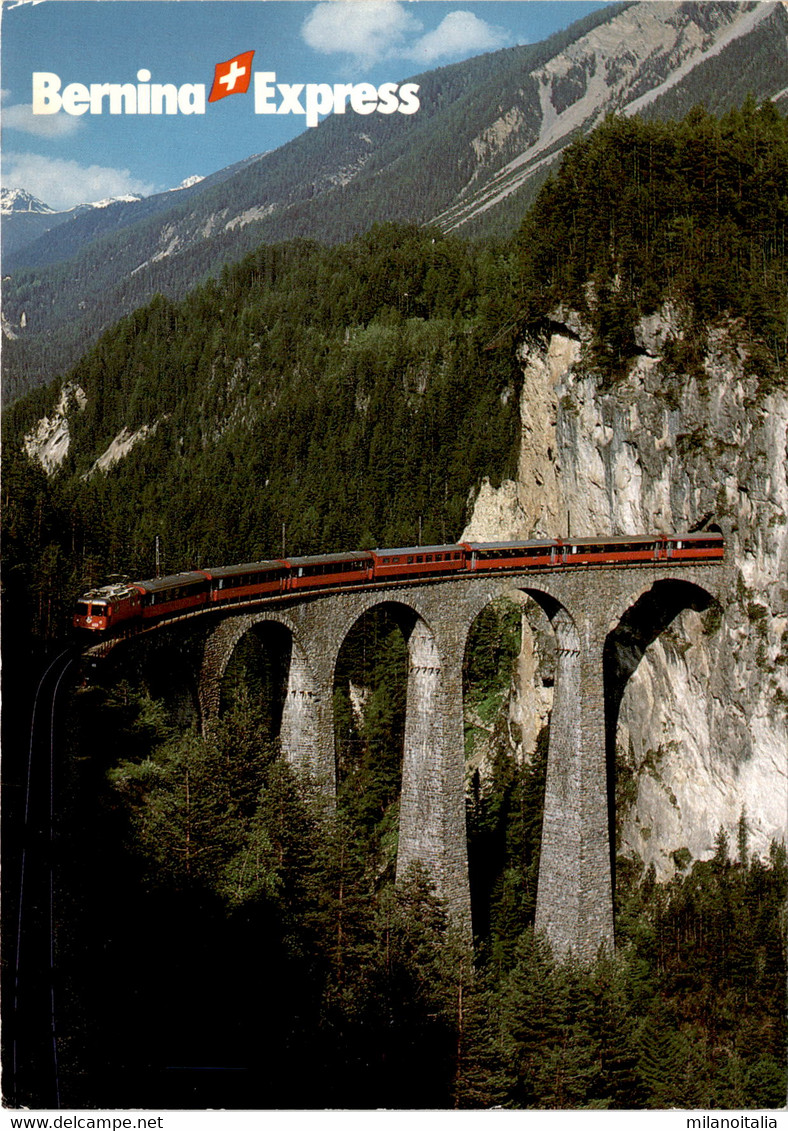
(346, 397)
(18, 201)
(25, 218)
(352, 396)
(487, 134)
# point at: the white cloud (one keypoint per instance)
(372, 31)
(377, 30)
(61, 184)
(458, 34)
(21, 117)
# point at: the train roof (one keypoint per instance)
(420, 549)
(590, 539)
(247, 567)
(328, 559)
(511, 545)
(108, 592)
(174, 581)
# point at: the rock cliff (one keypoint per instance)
(689, 436)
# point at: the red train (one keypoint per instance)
(131, 604)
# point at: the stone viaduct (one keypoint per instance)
(602, 618)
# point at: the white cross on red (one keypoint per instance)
(235, 72)
(232, 76)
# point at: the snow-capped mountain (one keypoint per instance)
(188, 182)
(17, 200)
(105, 203)
(25, 218)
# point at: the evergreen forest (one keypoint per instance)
(212, 908)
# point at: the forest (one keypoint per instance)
(315, 398)
(404, 172)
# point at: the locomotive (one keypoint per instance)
(128, 606)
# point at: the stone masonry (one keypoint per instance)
(574, 899)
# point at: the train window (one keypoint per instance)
(410, 560)
(83, 609)
(419, 557)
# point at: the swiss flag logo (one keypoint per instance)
(232, 77)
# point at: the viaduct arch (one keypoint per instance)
(603, 619)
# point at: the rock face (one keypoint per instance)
(684, 439)
(50, 440)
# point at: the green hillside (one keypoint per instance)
(347, 394)
(403, 169)
(333, 183)
(647, 211)
(343, 397)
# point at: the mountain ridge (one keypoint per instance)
(488, 133)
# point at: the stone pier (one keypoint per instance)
(585, 608)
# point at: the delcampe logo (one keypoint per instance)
(232, 77)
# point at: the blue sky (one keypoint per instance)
(66, 160)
